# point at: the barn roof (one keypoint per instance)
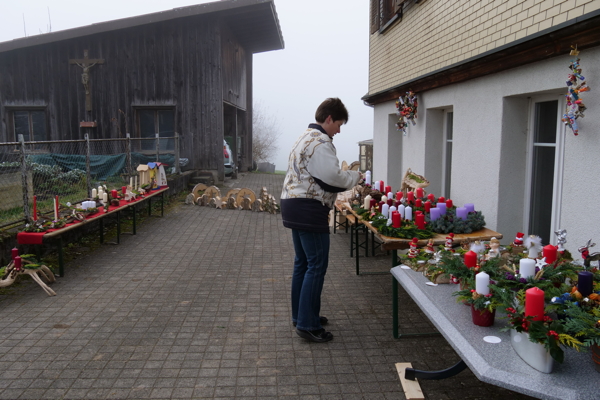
(254, 22)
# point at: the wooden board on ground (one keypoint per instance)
(412, 389)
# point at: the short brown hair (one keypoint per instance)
(334, 107)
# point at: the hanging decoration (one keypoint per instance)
(575, 85)
(407, 110)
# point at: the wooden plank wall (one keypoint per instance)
(168, 63)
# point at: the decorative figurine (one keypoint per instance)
(413, 252)
(449, 242)
(562, 239)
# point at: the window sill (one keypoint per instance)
(392, 21)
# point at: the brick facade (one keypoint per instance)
(435, 34)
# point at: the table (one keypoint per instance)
(39, 238)
(390, 243)
(497, 364)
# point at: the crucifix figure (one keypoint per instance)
(86, 63)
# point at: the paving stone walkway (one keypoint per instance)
(197, 306)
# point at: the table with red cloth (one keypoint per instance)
(40, 238)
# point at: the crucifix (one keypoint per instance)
(86, 63)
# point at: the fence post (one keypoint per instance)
(128, 154)
(88, 168)
(24, 179)
(157, 141)
(177, 167)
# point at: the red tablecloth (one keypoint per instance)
(37, 237)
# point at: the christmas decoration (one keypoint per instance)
(575, 85)
(407, 110)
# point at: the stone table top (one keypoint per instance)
(497, 364)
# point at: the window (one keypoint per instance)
(153, 121)
(544, 175)
(29, 123)
(448, 124)
(384, 12)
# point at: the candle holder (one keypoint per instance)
(534, 354)
(483, 317)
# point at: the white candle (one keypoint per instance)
(390, 195)
(131, 181)
(136, 185)
(367, 178)
(526, 267)
(99, 188)
(384, 198)
(55, 210)
(482, 283)
(376, 185)
(408, 213)
(105, 197)
(367, 202)
(385, 210)
(401, 210)
(94, 193)
(392, 209)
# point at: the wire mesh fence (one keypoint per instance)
(32, 174)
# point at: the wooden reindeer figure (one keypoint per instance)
(585, 253)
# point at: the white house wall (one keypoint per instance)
(489, 146)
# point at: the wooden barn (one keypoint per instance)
(187, 70)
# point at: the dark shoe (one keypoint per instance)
(319, 336)
(322, 320)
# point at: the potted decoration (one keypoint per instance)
(535, 336)
(480, 296)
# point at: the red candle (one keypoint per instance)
(420, 193)
(449, 203)
(17, 263)
(410, 197)
(420, 220)
(124, 190)
(418, 202)
(114, 194)
(427, 206)
(372, 203)
(381, 203)
(390, 202)
(56, 204)
(441, 199)
(399, 196)
(431, 197)
(35, 208)
(470, 259)
(388, 189)
(14, 252)
(396, 219)
(381, 186)
(549, 252)
(534, 303)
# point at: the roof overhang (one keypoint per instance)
(254, 22)
(583, 31)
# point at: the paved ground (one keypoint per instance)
(197, 306)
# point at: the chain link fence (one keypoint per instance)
(70, 169)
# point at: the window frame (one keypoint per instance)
(559, 153)
(447, 159)
(11, 121)
(137, 127)
(384, 13)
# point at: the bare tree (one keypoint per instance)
(265, 132)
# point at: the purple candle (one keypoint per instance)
(470, 207)
(442, 208)
(585, 283)
(461, 212)
(434, 214)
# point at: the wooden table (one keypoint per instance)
(55, 235)
(394, 244)
(494, 363)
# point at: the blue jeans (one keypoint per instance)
(310, 267)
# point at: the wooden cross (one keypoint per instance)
(86, 63)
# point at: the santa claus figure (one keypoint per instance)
(413, 252)
(519, 239)
(449, 242)
(429, 248)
